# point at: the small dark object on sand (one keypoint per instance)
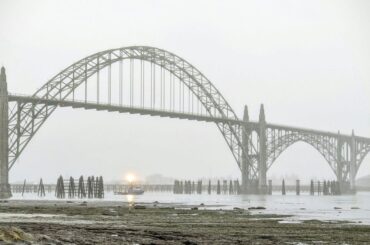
(256, 208)
(139, 207)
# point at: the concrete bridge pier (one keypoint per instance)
(245, 166)
(340, 163)
(5, 191)
(352, 166)
(262, 160)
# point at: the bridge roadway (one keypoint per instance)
(88, 105)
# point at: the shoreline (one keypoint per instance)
(79, 222)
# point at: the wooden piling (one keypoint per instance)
(71, 188)
(270, 187)
(298, 188)
(59, 189)
(231, 189)
(24, 187)
(41, 189)
(81, 188)
(312, 188)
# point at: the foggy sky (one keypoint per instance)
(307, 61)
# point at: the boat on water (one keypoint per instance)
(131, 191)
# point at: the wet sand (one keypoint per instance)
(61, 222)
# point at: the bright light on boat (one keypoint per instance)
(130, 178)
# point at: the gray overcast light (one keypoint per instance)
(306, 61)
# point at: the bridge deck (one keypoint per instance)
(120, 108)
(163, 113)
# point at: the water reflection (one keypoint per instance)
(130, 200)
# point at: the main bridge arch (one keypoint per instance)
(26, 119)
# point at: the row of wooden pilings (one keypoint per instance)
(26, 188)
(92, 188)
(190, 187)
(325, 187)
(234, 188)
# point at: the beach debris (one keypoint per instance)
(10, 234)
(139, 207)
(256, 208)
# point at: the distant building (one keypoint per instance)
(158, 179)
(363, 181)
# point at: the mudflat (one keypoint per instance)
(53, 222)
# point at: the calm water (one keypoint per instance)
(354, 208)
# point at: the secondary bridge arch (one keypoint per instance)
(27, 118)
(323, 145)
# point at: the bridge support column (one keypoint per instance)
(4, 167)
(262, 161)
(340, 163)
(352, 166)
(245, 166)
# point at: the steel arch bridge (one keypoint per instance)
(151, 81)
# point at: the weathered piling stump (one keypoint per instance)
(100, 187)
(325, 188)
(199, 187)
(283, 192)
(176, 187)
(181, 187)
(24, 187)
(270, 187)
(59, 189)
(312, 188)
(81, 188)
(238, 187)
(96, 187)
(71, 188)
(298, 188)
(231, 188)
(90, 187)
(218, 191)
(224, 187)
(41, 189)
